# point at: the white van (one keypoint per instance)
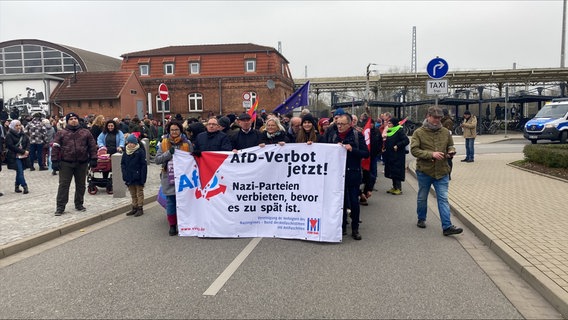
(550, 123)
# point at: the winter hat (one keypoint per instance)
(394, 121)
(71, 114)
(323, 121)
(338, 112)
(309, 117)
(131, 139)
(224, 122)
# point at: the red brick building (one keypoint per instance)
(212, 79)
(111, 93)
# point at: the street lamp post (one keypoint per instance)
(367, 85)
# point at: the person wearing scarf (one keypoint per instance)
(174, 140)
(18, 145)
(432, 145)
(274, 133)
(134, 172)
(354, 142)
(394, 154)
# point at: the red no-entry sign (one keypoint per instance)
(163, 92)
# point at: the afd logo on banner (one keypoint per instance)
(313, 226)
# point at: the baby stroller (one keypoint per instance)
(103, 165)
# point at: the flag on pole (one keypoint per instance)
(366, 162)
(297, 99)
(252, 110)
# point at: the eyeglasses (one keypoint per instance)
(174, 130)
(342, 123)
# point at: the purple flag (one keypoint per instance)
(297, 99)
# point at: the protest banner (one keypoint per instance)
(293, 191)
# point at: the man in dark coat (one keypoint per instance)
(245, 136)
(354, 142)
(213, 139)
(74, 148)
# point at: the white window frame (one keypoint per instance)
(169, 66)
(250, 65)
(160, 105)
(195, 101)
(147, 69)
(194, 68)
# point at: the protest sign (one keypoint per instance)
(293, 191)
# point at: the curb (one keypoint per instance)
(555, 295)
(32, 241)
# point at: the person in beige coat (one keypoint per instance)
(469, 126)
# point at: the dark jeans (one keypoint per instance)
(351, 198)
(35, 153)
(68, 171)
(20, 179)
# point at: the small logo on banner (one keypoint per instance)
(313, 226)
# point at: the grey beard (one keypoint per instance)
(430, 126)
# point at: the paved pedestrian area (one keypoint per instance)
(27, 215)
(520, 215)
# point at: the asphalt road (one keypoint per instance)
(130, 268)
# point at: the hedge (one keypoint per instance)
(550, 155)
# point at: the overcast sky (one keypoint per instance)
(330, 38)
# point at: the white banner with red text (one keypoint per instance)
(293, 191)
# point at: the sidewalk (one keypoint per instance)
(520, 215)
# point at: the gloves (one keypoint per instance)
(55, 165)
(93, 163)
(196, 153)
(172, 150)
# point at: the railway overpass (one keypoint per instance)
(400, 90)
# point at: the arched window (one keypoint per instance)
(29, 59)
(195, 102)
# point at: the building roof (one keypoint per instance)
(202, 50)
(92, 86)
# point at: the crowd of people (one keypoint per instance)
(69, 145)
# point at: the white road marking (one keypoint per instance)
(233, 266)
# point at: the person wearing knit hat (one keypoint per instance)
(134, 173)
(131, 139)
(70, 115)
(225, 123)
(74, 150)
(308, 132)
(323, 124)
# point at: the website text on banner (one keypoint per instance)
(293, 191)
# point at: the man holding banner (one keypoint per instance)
(354, 143)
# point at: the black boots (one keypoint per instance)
(26, 191)
(17, 190)
(136, 211)
(173, 230)
(132, 212)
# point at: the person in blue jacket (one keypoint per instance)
(111, 138)
(134, 172)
